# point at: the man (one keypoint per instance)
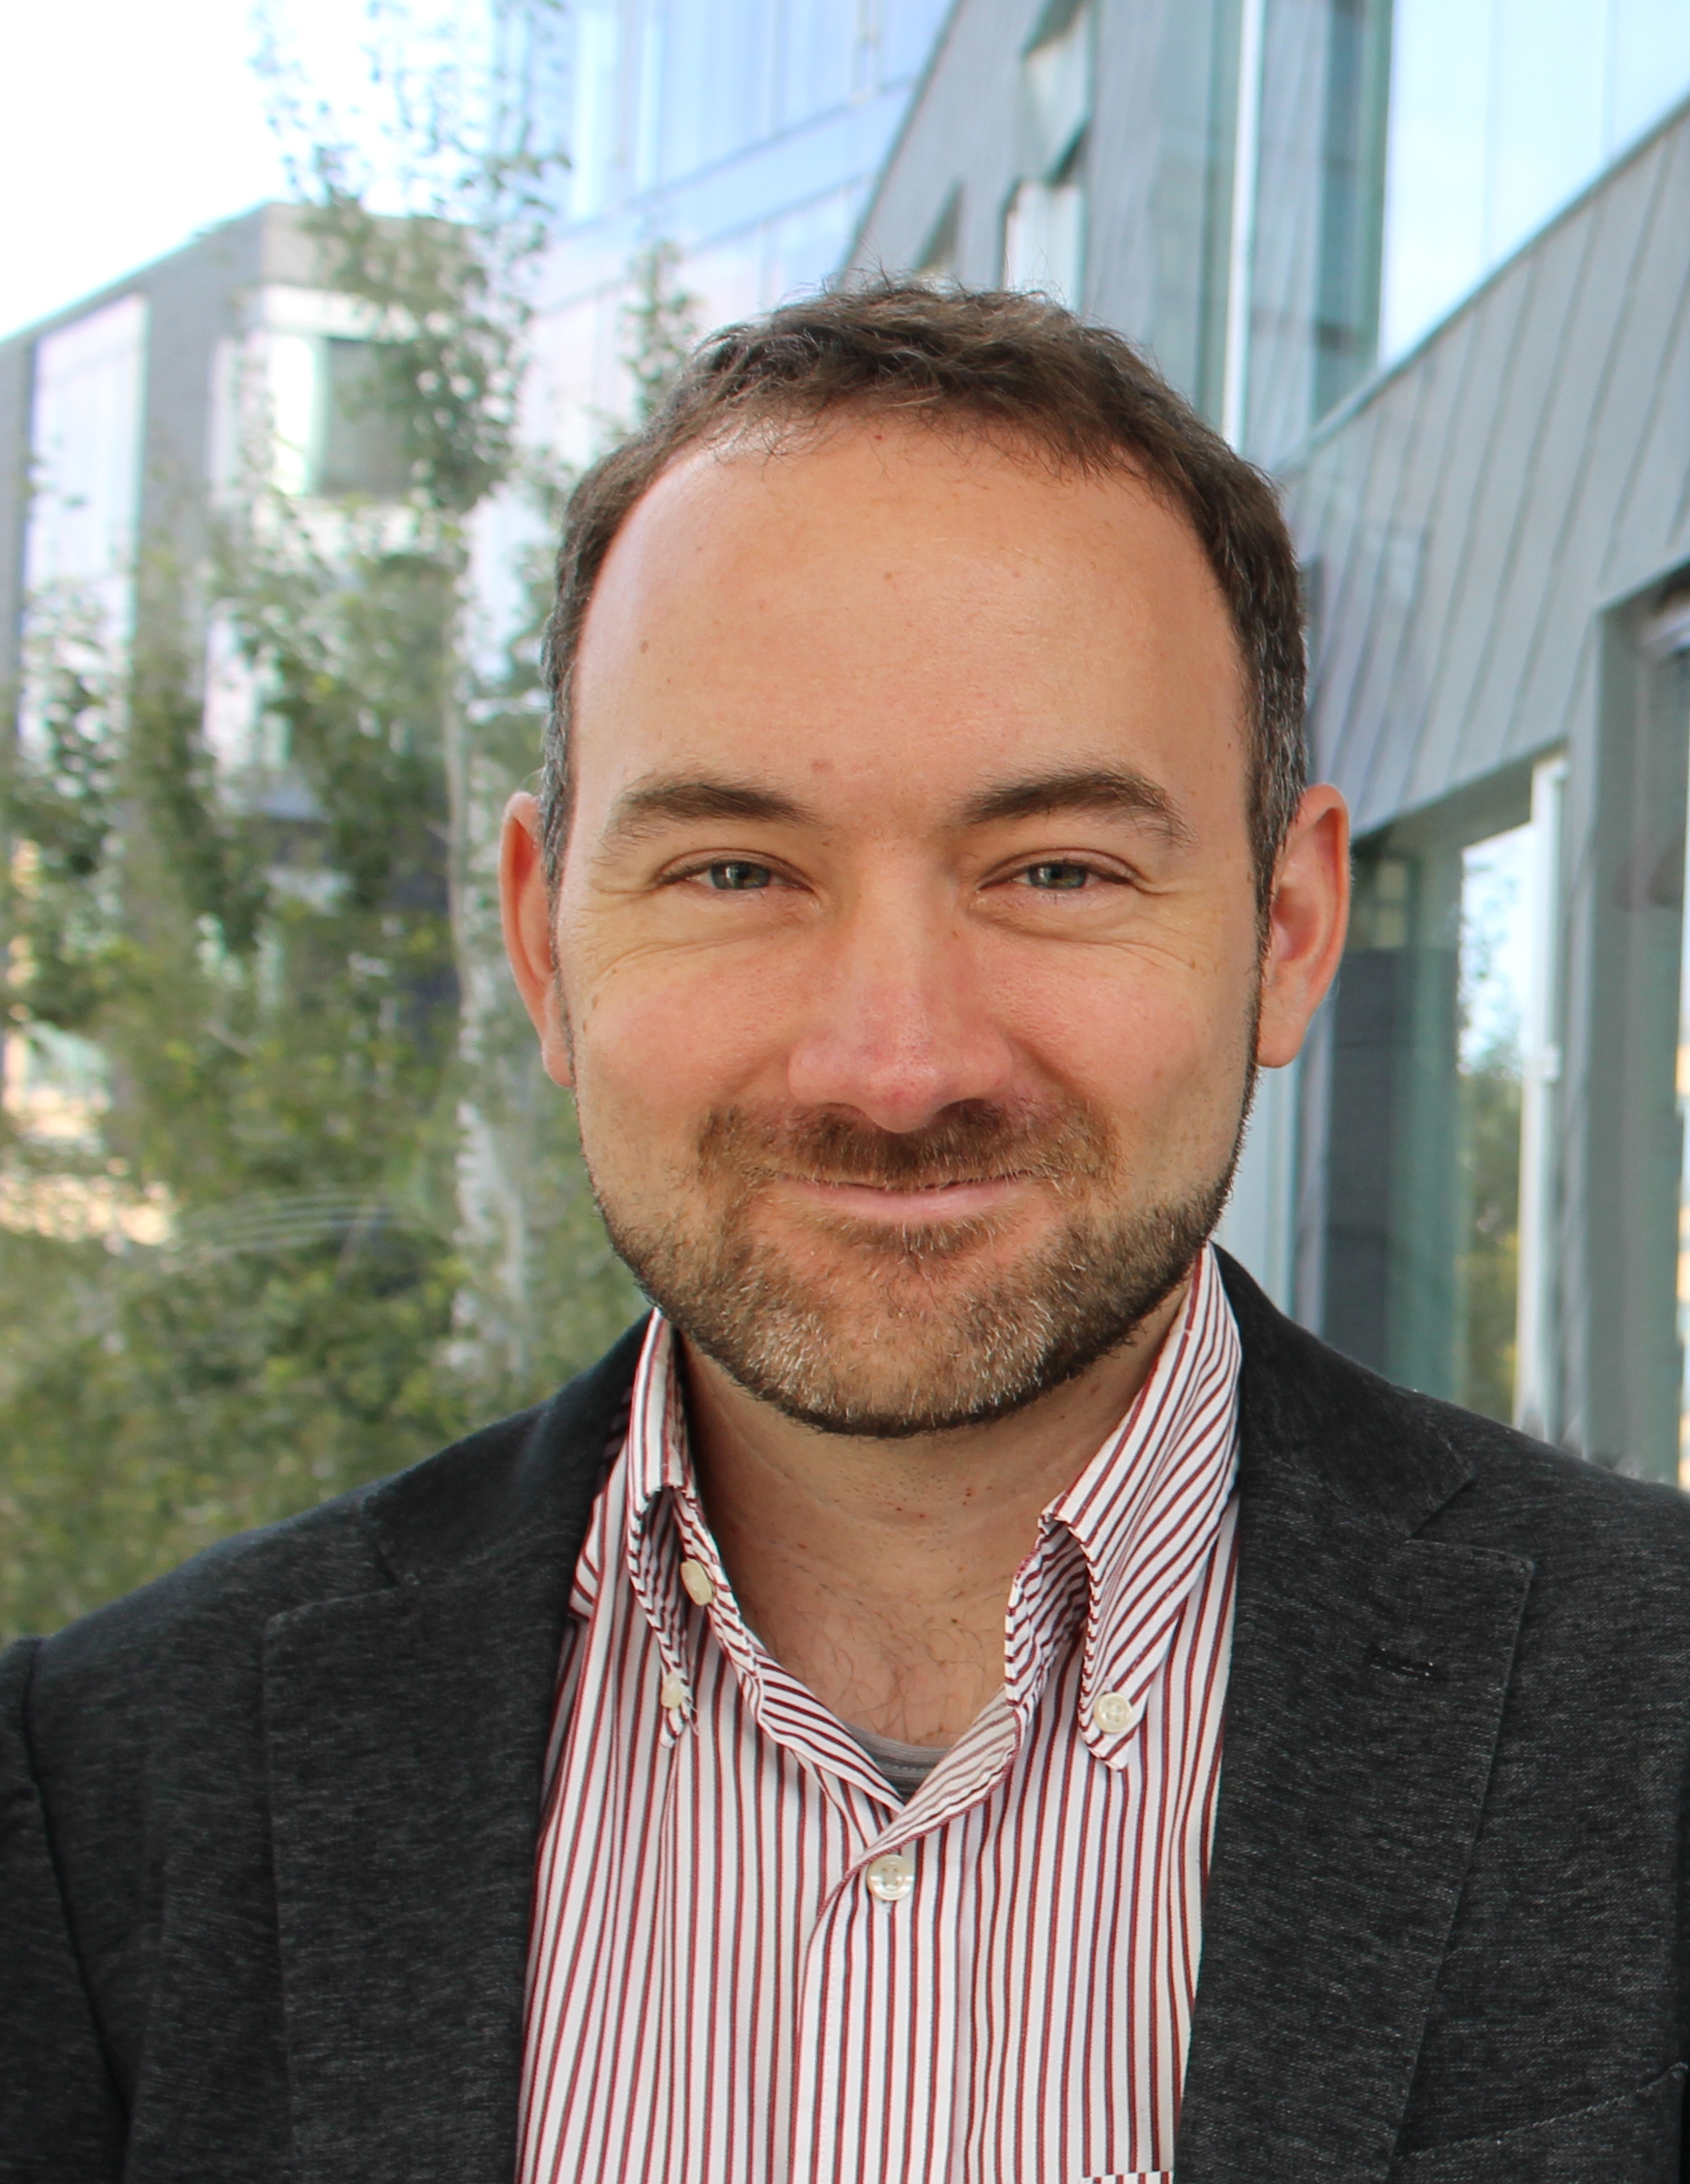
(825, 1740)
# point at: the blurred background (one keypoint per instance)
(310, 316)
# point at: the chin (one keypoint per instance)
(837, 1248)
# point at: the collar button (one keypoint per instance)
(1114, 1712)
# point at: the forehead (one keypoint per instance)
(886, 593)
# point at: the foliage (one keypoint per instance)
(662, 323)
(264, 964)
(315, 1209)
(1487, 1264)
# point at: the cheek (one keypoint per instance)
(1138, 1035)
(661, 1042)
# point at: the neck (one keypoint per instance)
(878, 1572)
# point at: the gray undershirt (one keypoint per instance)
(907, 1766)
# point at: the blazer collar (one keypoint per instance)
(406, 1731)
(1370, 1671)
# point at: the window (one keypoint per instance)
(1500, 113)
(85, 444)
(1444, 1067)
(1043, 238)
(936, 261)
(360, 442)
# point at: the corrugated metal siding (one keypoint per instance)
(1471, 514)
(963, 134)
(1286, 274)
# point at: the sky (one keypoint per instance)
(125, 129)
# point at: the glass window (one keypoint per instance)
(1489, 1030)
(1043, 239)
(654, 94)
(1500, 111)
(360, 441)
(85, 445)
(1439, 1154)
(1043, 235)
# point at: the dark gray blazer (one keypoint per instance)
(270, 1824)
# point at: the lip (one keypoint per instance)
(908, 1209)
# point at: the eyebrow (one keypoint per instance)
(1113, 790)
(683, 800)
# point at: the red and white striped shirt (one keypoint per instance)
(750, 1961)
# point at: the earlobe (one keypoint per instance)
(1307, 920)
(526, 912)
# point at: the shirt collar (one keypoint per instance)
(1122, 1547)
(1142, 1517)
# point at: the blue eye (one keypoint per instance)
(1057, 877)
(735, 875)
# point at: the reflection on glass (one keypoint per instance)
(1500, 111)
(1491, 988)
(1437, 1205)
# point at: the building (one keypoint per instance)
(745, 138)
(737, 146)
(1497, 537)
(130, 415)
(1427, 263)
(1430, 265)
(127, 423)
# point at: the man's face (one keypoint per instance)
(908, 960)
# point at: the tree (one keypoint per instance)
(320, 1210)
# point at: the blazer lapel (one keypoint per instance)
(1370, 1672)
(406, 1731)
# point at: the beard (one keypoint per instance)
(867, 1328)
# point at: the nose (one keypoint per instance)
(900, 1026)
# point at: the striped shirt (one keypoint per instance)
(750, 1960)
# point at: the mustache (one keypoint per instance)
(972, 1141)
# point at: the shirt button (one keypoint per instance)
(892, 1878)
(671, 1695)
(696, 1580)
(1112, 1712)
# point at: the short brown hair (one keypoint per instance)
(1012, 366)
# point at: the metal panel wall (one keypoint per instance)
(1158, 167)
(1484, 526)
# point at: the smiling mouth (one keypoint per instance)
(953, 1199)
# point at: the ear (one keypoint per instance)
(1307, 917)
(526, 912)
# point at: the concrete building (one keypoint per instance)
(129, 416)
(1430, 265)
(127, 423)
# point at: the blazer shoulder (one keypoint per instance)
(1547, 1500)
(1446, 1472)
